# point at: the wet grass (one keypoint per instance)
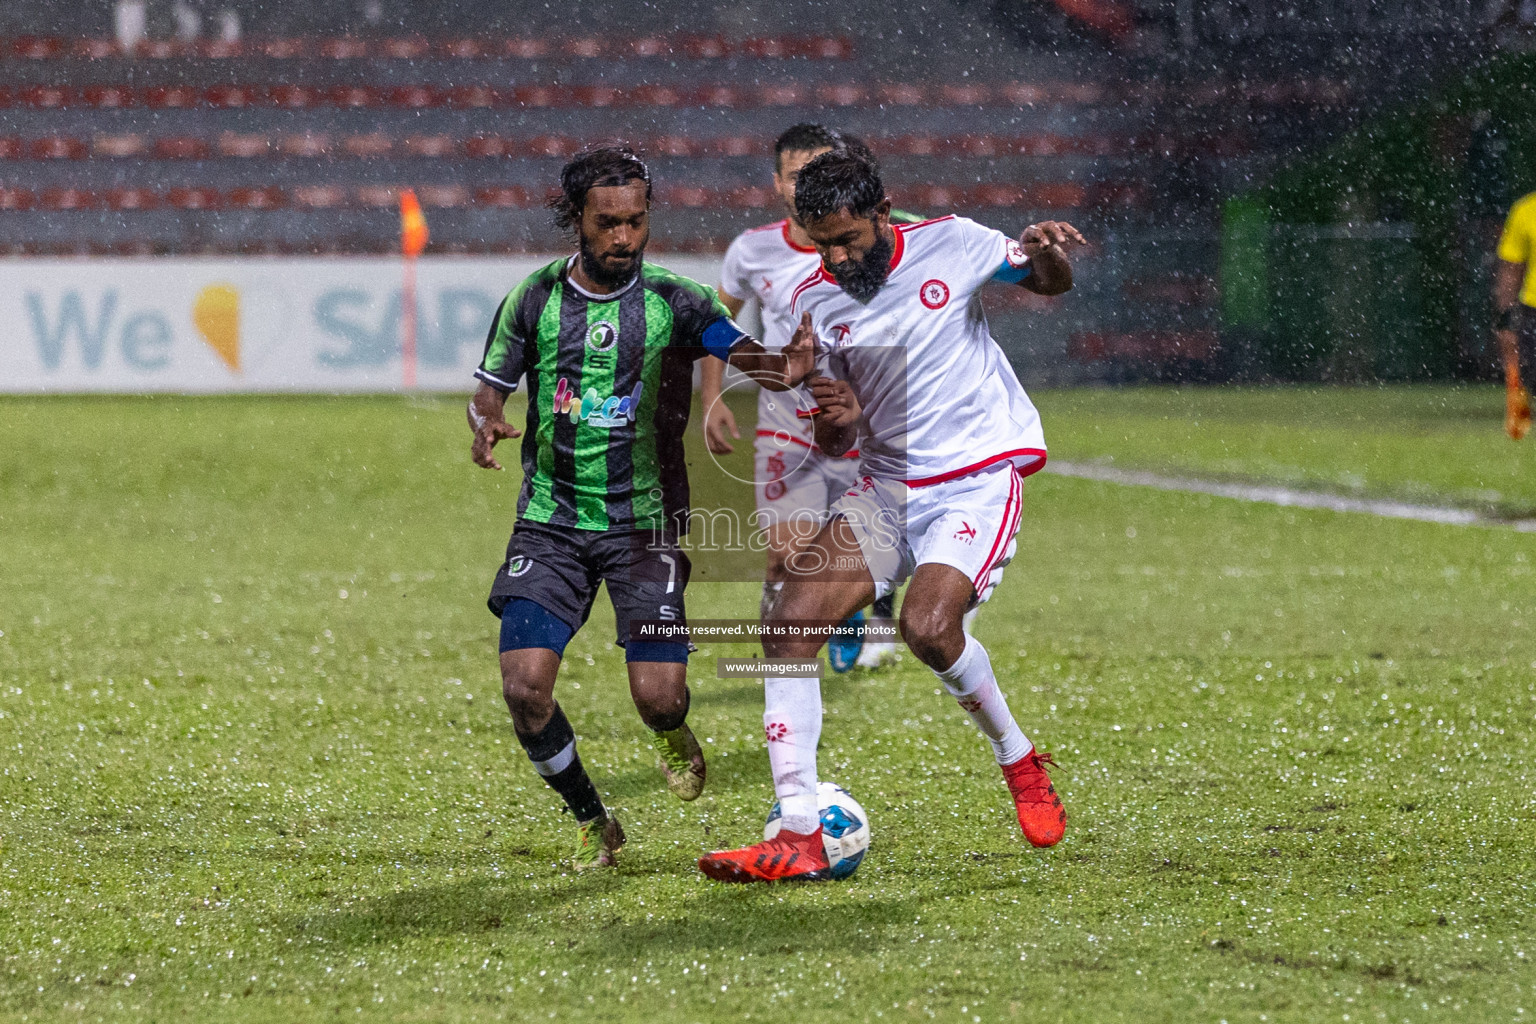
(1429, 443)
(256, 765)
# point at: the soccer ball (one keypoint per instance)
(844, 827)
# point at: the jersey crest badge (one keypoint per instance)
(1015, 254)
(934, 293)
(602, 336)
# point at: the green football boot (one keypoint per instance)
(682, 761)
(597, 843)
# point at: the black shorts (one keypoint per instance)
(560, 567)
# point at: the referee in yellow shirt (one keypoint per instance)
(1514, 310)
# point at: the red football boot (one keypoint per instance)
(1041, 815)
(787, 857)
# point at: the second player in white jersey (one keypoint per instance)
(940, 399)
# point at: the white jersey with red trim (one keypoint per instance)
(940, 399)
(766, 263)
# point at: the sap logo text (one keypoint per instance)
(612, 411)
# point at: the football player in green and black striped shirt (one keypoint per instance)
(606, 342)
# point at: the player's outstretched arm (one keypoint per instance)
(837, 415)
(1046, 244)
(779, 371)
(487, 421)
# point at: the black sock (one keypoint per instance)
(553, 753)
(885, 607)
(670, 722)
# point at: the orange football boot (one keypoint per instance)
(1041, 815)
(787, 857)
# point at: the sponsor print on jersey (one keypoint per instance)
(612, 411)
(934, 293)
(602, 336)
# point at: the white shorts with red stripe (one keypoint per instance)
(796, 483)
(969, 522)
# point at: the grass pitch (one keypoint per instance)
(256, 763)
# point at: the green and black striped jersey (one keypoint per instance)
(610, 384)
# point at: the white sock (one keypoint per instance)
(770, 597)
(971, 682)
(792, 720)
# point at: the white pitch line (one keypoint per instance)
(1289, 497)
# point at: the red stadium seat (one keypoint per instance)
(38, 47)
(293, 97)
(790, 95)
(650, 46)
(108, 97)
(244, 145)
(553, 145)
(15, 199)
(230, 96)
(901, 94)
(171, 96)
(689, 195)
(319, 197)
(1022, 94)
(527, 48)
(542, 96)
(375, 144)
(67, 199)
(431, 146)
(508, 196)
(597, 95)
(739, 145)
(846, 94)
(284, 49)
(751, 197)
(268, 198)
(306, 145)
(182, 148)
(768, 46)
(414, 97)
(58, 147)
(472, 97)
(353, 96)
(218, 49)
(488, 146)
(7, 96)
(159, 49)
(971, 95)
(1083, 93)
(657, 96)
(131, 199)
(983, 145)
(675, 145)
(1055, 195)
(47, 97)
(997, 195)
(464, 49)
(119, 146)
(194, 198)
(95, 49)
(724, 97)
(920, 145)
(376, 195)
(828, 48)
(343, 48)
(12, 148)
(404, 48)
(584, 46)
(703, 47)
(936, 198)
(444, 196)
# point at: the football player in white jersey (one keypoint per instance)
(946, 434)
(795, 483)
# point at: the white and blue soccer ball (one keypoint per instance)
(844, 828)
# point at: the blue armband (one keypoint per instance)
(1010, 274)
(721, 336)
